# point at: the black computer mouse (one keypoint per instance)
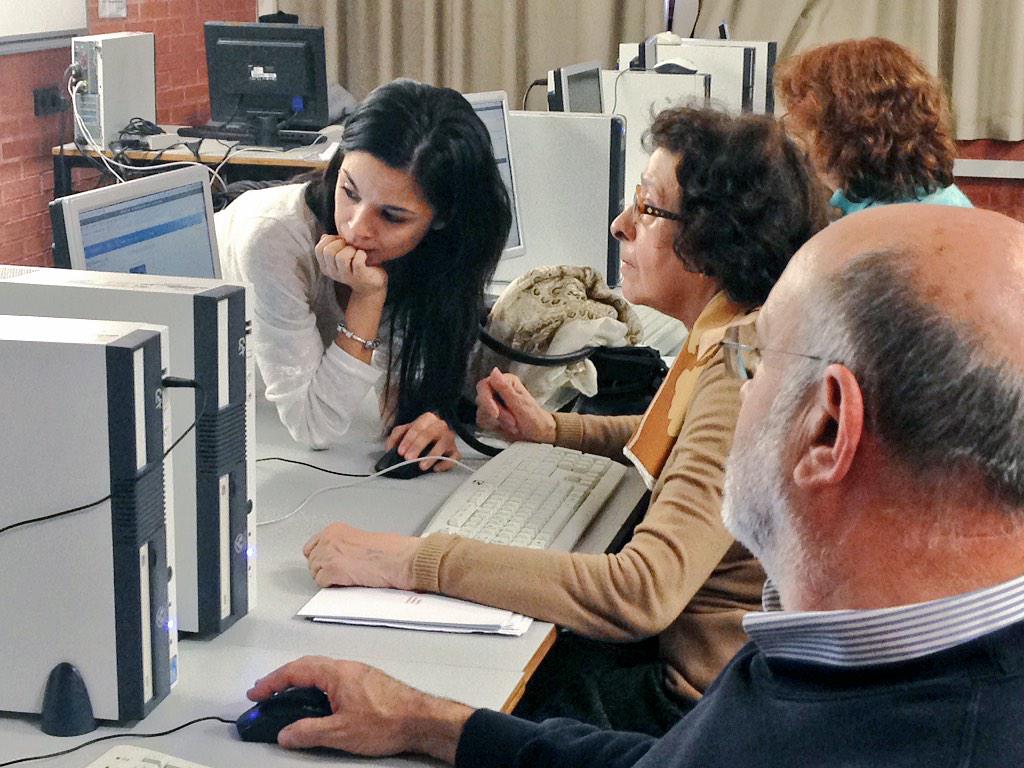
(265, 720)
(405, 472)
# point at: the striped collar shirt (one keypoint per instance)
(856, 638)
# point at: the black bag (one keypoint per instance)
(627, 380)
(627, 377)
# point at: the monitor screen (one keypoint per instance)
(581, 88)
(160, 225)
(492, 108)
(267, 69)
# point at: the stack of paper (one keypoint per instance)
(410, 610)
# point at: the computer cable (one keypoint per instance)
(168, 382)
(359, 481)
(84, 744)
(538, 81)
(311, 466)
(90, 141)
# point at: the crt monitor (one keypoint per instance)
(492, 108)
(578, 88)
(158, 225)
(267, 71)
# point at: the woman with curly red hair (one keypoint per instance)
(875, 121)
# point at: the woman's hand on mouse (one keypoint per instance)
(374, 714)
(504, 406)
(412, 440)
(345, 264)
(343, 556)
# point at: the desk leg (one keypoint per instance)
(61, 177)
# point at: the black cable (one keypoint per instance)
(117, 736)
(538, 81)
(695, 18)
(307, 464)
(168, 382)
(531, 358)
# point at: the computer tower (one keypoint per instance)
(208, 322)
(569, 169)
(118, 82)
(83, 429)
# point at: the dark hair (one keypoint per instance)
(937, 399)
(749, 196)
(877, 119)
(435, 292)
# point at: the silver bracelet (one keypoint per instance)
(368, 344)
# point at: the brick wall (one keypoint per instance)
(1003, 195)
(26, 177)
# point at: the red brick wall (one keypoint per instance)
(26, 177)
(1003, 195)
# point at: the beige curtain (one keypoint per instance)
(975, 46)
(472, 45)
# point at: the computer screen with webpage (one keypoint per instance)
(160, 225)
(492, 108)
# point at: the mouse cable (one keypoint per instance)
(166, 382)
(531, 86)
(354, 483)
(311, 466)
(117, 736)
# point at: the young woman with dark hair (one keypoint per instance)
(722, 206)
(391, 247)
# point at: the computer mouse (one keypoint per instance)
(405, 472)
(265, 720)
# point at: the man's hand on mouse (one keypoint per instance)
(374, 714)
(343, 556)
(413, 438)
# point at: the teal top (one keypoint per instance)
(950, 195)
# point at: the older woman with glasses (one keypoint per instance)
(722, 205)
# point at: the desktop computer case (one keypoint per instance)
(214, 521)
(83, 421)
(119, 75)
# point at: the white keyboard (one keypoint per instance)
(530, 495)
(131, 756)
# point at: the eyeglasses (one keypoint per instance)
(640, 205)
(743, 360)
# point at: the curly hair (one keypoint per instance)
(877, 120)
(750, 197)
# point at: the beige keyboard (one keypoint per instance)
(530, 495)
(131, 756)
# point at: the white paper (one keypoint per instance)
(411, 610)
(113, 9)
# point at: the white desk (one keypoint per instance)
(480, 670)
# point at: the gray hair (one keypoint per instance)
(936, 400)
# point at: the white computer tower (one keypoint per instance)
(83, 427)
(208, 322)
(569, 170)
(118, 82)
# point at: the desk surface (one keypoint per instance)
(480, 670)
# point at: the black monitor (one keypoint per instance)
(264, 72)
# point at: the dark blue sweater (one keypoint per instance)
(961, 708)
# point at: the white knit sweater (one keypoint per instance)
(266, 238)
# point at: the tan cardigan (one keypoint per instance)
(681, 576)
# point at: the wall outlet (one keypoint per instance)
(47, 101)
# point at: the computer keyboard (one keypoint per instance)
(530, 495)
(131, 756)
(242, 133)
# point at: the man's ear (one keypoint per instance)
(832, 430)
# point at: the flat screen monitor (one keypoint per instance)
(580, 86)
(267, 70)
(158, 225)
(492, 108)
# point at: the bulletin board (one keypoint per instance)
(32, 25)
